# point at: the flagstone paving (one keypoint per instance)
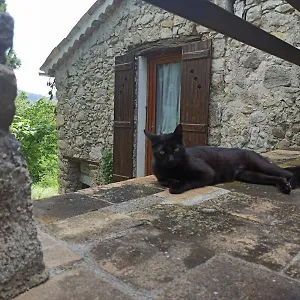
(134, 240)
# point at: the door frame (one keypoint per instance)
(151, 97)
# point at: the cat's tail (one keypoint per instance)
(295, 180)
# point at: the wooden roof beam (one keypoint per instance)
(294, 3)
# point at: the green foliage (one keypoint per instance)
(107, 165)
(40, 192)
(34, 127)
(47, 187)
(2, 6)
(11, 58)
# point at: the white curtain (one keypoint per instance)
(168, 97)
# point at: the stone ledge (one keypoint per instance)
(226, 277)
(74, 284)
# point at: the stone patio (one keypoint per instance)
(133, 240)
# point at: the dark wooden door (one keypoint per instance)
(195, 84)
(153, 63)
(123, 118)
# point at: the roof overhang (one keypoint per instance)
(99, 12)
(203, 12)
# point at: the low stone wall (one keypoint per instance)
(21, 257)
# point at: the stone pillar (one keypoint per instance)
(21, 257)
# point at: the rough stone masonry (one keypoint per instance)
(254, 97)
(21, 257)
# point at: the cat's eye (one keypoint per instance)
(176, 149)
(162, 152)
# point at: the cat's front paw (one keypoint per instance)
(284, 186)
(175, 187)
(293, 182)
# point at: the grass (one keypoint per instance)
(46, 188)
(39, 192)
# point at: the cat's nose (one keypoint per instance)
(171, 157)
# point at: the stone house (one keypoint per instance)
(128, 65)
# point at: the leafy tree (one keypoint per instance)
(2, 6)
(11, 58)
(34, 127)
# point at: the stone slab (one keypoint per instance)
(134, 205)
(45, 239)
(264, 191)
(192, 197)
(55, 253)
(278, 156)
(151, 179)
(65, 206)
(285, 216)
(148, 258)
(90, 226)
(127, 192)
(293, 269)
(59, 255)
(147, 180)
(214, 228)
(74, 284)
(224, 277)
(261, 244)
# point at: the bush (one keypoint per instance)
(34, 127)
(107, 165)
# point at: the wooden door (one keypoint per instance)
(123, 118)
(195, 85)
(153, 64)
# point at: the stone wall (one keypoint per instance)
(253, 95)
(21, 257)
(260, 107)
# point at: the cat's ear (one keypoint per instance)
(178, 131)
(152, 137)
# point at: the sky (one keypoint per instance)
(39, 27)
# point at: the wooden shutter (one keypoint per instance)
(195, 83)
(123, 118)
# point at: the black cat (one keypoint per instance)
(182, 169)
